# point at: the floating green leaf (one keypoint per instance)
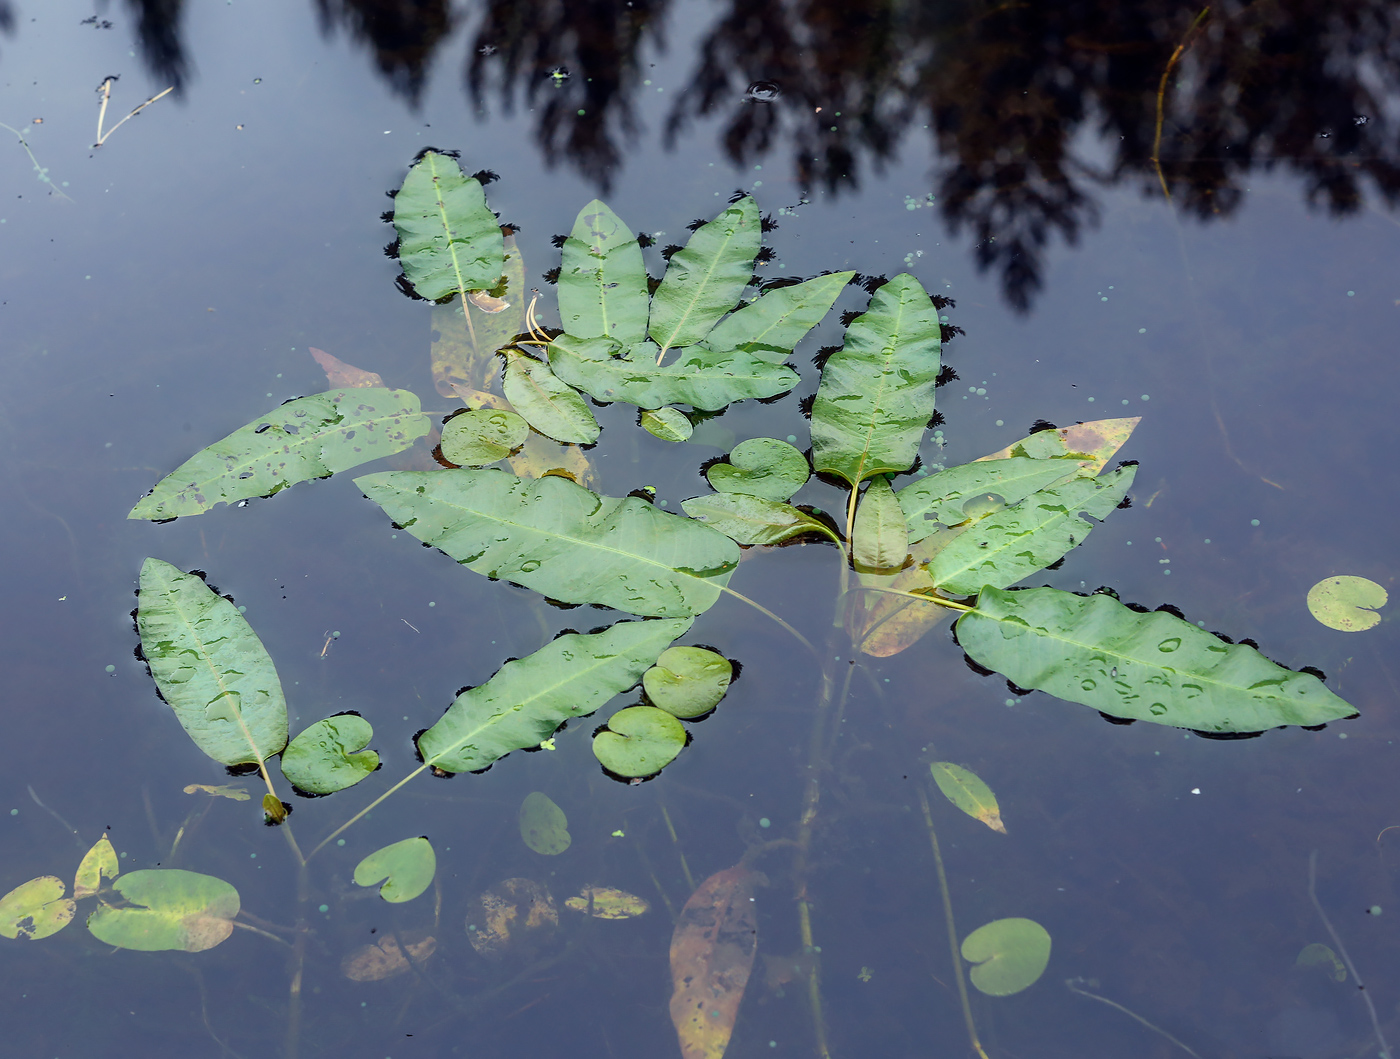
(668, 424)
(639, 741)
(406, 868)
(311, 437)
(602, 280)
(876, 393)
(1347, 603)
(1092, 445)
(552, 408)
(543, 825)
(528, 699)
(473, 438)
(1010, 955)
(688, 681)
(965, 789)
(1148, 667)
(1322, 957)
(167, 909)
(464, 348)
(36, 909)
(97, 863)
(449, 240)
(210, 667)
(880, 537)
(705, 280)
(700, 377)
(753, 520)
(1015, 542)
(560, 539)
(940, 497)
(771, 326)
(330, 755)
(763, 467)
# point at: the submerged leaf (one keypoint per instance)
(1322, 957)
(880, 538)
(552, 408)
(1347, 603)
(330, 755)
(210, 667)
(222, 790)
(471, 439)
(712, 952)
(883, 623)
(384, 959)
(668, 424)
(406, 868)
(965, 789)
(604, 902)
(543, 825)
(1091, 444)
(449, 240)
(98, 863)
(639, 741)
(940, 497)
(752, 520)
(541, 458)
(464, 347)
(602, 279)
(36, 909)
(706, 279)
(688, 681)
(877, 392)
(700, 377)
(528, 699)
(340, 375)
(1010, 955)
(516, 917)
(311, 437)
(762, 467)
(1148, 667)
(168, 909)
(771, 326)
(560, 539)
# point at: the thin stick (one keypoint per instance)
(1162, 93)
(368, 808)
(764, 610)
(952, 928)
(1073, 988)
(685, 867)
(44, 177)
(1337, 941)
(102, 112)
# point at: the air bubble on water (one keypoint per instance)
(762, 92)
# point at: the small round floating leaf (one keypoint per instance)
(543, 825)
(35, 909)
(668, 424)
(762, 467)
(408, 867)
(1010, 955)
(639, 741)
(688, 681)
(168, 909)
(474, 439)
(1322, 957)
(604, 902)
(1347, 603)
(330, 755)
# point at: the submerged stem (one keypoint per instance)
(764, 610)
(1342, 949)
(367, 809)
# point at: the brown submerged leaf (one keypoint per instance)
(341, 375)
(384, 959)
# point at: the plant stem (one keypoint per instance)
(368, 808)
(1071, 983)
(764, 610)
(1342, 949)
(1156, 156)
(952, 928)
(43, 175)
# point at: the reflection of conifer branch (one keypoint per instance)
(1200, 21)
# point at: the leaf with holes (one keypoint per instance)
(36, 909)
(602, 280)
(449, 240)
(705, 280)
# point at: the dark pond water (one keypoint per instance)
(163, 290)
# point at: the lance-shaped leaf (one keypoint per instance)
(1091, 444)
(712, 951)
(36, 909)
(705, 280)
(330, 755)
(699, 377)
(98, 863)
(753, 520)
(876, 393)
(940, 497)
(668, 424)
(311, 437)
(602, 280)
(965, 789)
(405, 868)
(528, 699)
(168, 909)
(763, 467)
(882, 620)
(449, 241)
(552, 408)
(558, 538)
(210, 667)
(1017, 541)
(1147, 667)
(464, 347)
(880, 537)
(771, 326)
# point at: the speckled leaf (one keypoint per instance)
(475, 438)
(753, 520)
(940, 497)
(602, 279)
(763, 467)
(405, 868)
(449, 240)
(210, 667)
(552, 408)
(880, 540)
(639, 741)
(560, 539)
(168, 909)
(668, 424)
(698, 377)
(311, 437)
(605, 902)
(1092, 445)
(705, 280)
(36, 909)
(528, 699)
(330, 755)
(1148, 667)
(1347, 603)
(712, 952)
(771, 326)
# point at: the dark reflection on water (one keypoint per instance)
(1005, 94)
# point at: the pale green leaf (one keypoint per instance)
(876, 393)
(880, 537)
(940, 497)
(558, 538)
(764, 467)
(311, 437)
(168, 909)
(464, 348)
(474, 438)
(688, 682)
(1322, 957)
(965, 789)
(210, 667)
(639, 741)
(330, 755)
(771, 326)
(36, 909)
(1147, 667)
(1091, 445)
(449, 240)
(753, 520)
(602, 280)
(706, 278)
(406, 868)
(543, 825)
(699, 377)
(528, 699)
(552, 408)
(668, 424)
(1010, 954)
(98, 863)
(1347, 603)
(881, 618)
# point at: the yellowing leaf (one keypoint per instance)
(604, 902)
(516, 917)
(1347, 603)
(340, 375)
(223, 790)
(384, 959)
(712, 951)
(275, 808)
(964, 789)
(35, 909)
(1093, 444)
(98, 862)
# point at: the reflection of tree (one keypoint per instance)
(402, 34)
(158, 28)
